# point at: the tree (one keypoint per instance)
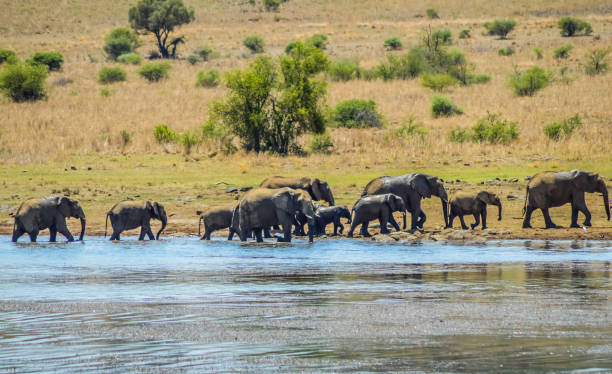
(120, 41)
(161, 17)
(500, 27)
(569, 26)
(269, 105)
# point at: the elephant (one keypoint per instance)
(552, 189)
(466, 203)
(216, 218)
(412, 188)
(317, 189)
(372, 207)
(130, 214)
(51, 212)
(264, 207)
(326, 215)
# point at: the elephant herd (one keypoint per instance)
(288, 202)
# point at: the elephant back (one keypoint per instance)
(376, 186)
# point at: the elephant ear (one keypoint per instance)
(156, 209)
(420, 184)
(149, 207)
(581, 179)
(484, 197)
(63, 205)
(316, 189)
(389, 201)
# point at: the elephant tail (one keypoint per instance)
(106, 224)
(526, 198)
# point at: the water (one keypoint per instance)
(181, 304)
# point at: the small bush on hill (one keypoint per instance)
(111, 74)
(464, 34)
(53, 60)
(500, 27)
(189, 140)
(322, 143)
(539, 52)
(155, 71)
(130, 58)
(597, 62)
(23, 82)
(120, 41)
(205, 52)
(437, 82)
(194, 59)
(508, 51)
(357, 113)
(407, 66)
(106, 92)
(8, 56)
(409, 129)
(562, 51)
(442, 106)
(432, 13)
(459, 135)
(208, 78)
(344, 70)
(569, 26)
(528, 82)
(494, 130)
(393, 44)
(562, 129)
(317, 40)
(163, 134)
(443, 36)
(479, 78)
(254, 43)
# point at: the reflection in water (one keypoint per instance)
(332, 306)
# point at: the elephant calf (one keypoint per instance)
(130, 214)
(326, 215)
(379, 207)
(34, 215)
(216, 218)
(466, 203)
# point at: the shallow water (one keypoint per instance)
(181, 304)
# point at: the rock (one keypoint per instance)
(65, 169)
(514, 180)
(527, 178)
(136, 195)
(129, 198)
(482, 182)
(511, 197)
(458, 181)
(89, 168)
(288, 165)
(490, 181)
(505, 179)
(467, 164)
(458, 235)
(380, 238)
(231, 190)
(245, 189)
(449, 182)
(497, 179)
(73, 167)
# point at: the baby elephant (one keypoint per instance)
(130, 214)
(216, 218)
(466, 203)
(326, 215)
(379, 207)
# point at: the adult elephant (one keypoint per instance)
(549, 189)
(130, 214)
(264, 207)
(412, 188)
(216, 218)
(379, 207)
(316, 188)
(34, 215)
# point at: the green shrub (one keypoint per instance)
(437, 82)
(111, 74)
(478, 78)
(317, 40)
(539, 52)
(528, 82)
(154, 71)
(322, 143)
(508, 51)
(164, 135)
(194, 59)
(464, 34)
(597, 62)
(432, 13)
(208, 78)
(271, 5)
(290, 47)
(492, 129)
(23, 82)
(569, 26)
(562, 129)
(254, 43)
(120, 41)
(344, 70)
(130, 58)
(189, 140)
(125, 137)
(442, 106)
(357, 113)
(53, 60)
(459, 135)
(205, 52)
(106, 92)
(407, 66)
(8, 56)
(500, 27)
(442, 36)
(409, 129)
(393, 44)
(562, 51)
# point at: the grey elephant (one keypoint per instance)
(552, 189)
(130, 214)
(34, 215)
(379, 207)
(264, 207)
(412, 188)
(326, 215)
(216, 218)
(467, 203)
(316, 188)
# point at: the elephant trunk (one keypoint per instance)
(404, 218)
(164, 221)
(82, 228)
(311, 229)
(445, 211)
(200, 226)
(499, 217)
(606, 203)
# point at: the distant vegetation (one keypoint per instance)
(322, 143)
(53, 60)
(393, 44)
(356, 113)
(570, 26)
(254, 43)
(508, 51)
(208, 78)
(491, 129)
(500, 27)
(111, 74)
(155, 71)
(597, 62)
(6, 55)
(528, 82)
(562, 51)
(432, 13)
(120, 41)
(442, 106)
(562, 129)
(24, 82)
(130, 58)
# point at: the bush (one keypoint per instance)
(528, 82)
(130, 58)
(597, 62)
(106, 92)
(569, 26)
(442, 36)
(562, 129)
(189, 140)
(289, 48)
(492, 129)
(317, 40)
(111, 74)
(407, 66)
(125, 137)
(205, 52)
(154, 71)
(459, 135)
(409, 129)
(8, 56)
(120, 41)
(53, 60)
(393, 44)
(500, 27)
(254, 43)
(437, 82)
(322, 143)
(442, 106)
(343, 71)
(194, 59)
(478, 78)
(357, 113)
(271, 5)
(23, 82)
(432, 13)
(562, 51)
(208, 78)
(163, 134)
(539, 52)
(464, 34)
(508, 51)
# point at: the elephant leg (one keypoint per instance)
(207, 232)
(549, 223)
(33, 235)
(258, 236)
(463, 225)
(484, 218)
(422, 219)
(52, 234)
(286, 233)
(580, 205)
(354, 224)
(477, 218)
(527, 220)
(337, 226)
(574, 217)
(383, 219)
(17, 232)
(150, 233)
(64, 231)
(364, 229)
(393, 222)
(230, 236)
(142, 233)
(451, 218)
(267, 234)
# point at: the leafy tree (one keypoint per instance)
(269, 105)
(120, 41)
(53, 60)
(357, 113)
(161, 17)
(562, 51)
(569, 26)
(155, 71)
(393, 44)
(111, 74)
(500, 27)
(8, 56)
(24, 82)
(528, 82)
(254, 43)
(443, 106)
